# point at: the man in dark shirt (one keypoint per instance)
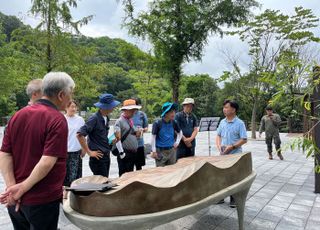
(97, 129)
(33, 157)
(188, 123)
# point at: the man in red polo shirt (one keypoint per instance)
(33, 157)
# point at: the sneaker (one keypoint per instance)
(232, 202)
(270, 156)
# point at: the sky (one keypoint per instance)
(108, 16)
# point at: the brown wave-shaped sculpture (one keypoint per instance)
(158, 189)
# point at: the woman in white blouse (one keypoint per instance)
(74, 158)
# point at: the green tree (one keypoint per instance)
(270, 35)
(16, 70)
(294, 67)
(55, 18)
(150, 86)
(204, 90)
(9, 24)
(179, 29)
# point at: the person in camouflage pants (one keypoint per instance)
(270, 124)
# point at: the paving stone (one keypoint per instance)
(168, 226)
(298, 214)
(298, 207)
(257, 201)
(314, 217)
(259, 223)
(313, 225)
(316, 210)
(306, 196)
(289, 220)
(209, 221)
(230, 223)
(286, 226)
(303, 202)
(290, 188)
(280, 203)
(6, 226)
(272, 213)
(4, 219)
(287, 194)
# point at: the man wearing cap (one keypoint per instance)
(163, 136)
(270, 124)
(188, 123)
(126, 134)
(97, 128)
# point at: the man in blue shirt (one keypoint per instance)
(231, 133)
(140, 121)
(163, 140)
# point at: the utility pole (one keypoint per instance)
(315, 112)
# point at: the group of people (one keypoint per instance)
(173, 136)
(42, 148)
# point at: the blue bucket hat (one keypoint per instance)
(166, 107)
(106, 101)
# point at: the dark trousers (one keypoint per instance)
(74, 167)
(184, 151)
(34, 217)
(126, 164)
(100, 167)
(276, 140)
(139, 158)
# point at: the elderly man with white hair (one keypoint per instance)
(33, 156)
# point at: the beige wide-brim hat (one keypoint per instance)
(188, 101)
(129, 105)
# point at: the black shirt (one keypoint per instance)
(187, 123)
(97, 129)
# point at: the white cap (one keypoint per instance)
(188, 101)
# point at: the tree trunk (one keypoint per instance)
(290, 119)
(175, 81)
(49, 36)
(289, 124)
(253, 118)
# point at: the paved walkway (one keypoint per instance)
(281, 197)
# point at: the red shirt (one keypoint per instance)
(32, 132)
